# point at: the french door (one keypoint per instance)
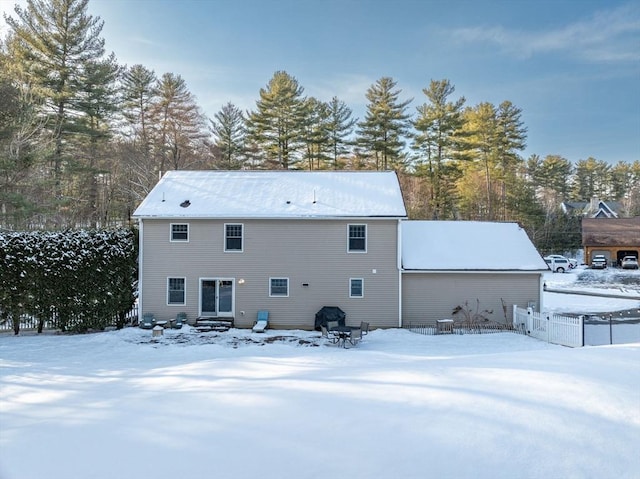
(216, 297)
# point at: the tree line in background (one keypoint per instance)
(84, 139)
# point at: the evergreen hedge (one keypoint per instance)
(78, 279)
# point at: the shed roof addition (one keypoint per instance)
(274, 194)
(468, 246)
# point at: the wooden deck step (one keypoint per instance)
(213, 324)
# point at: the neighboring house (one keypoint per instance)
(592, 209)
(615, 238)
(227, 244)
(487, 266)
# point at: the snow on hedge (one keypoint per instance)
(79, 279)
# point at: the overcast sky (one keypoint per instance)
(572, 66)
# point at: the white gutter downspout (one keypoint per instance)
(541, 293)
(399, 264)
(140, 265)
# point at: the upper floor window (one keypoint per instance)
(233, 237)
(279, 287)
(179, 232)
(357, 238)
(176, 291)
(356, 288)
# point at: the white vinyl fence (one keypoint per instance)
(553, 328)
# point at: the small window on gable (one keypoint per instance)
(179, 232)
(176, 291)
(233, 237)
(356, 288)
(357, 239)
(279, 287)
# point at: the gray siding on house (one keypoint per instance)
(431, 296)
(307, 251)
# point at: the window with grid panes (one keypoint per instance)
(278, 286)
(357, 238)
(356, 288)
(233, 237)
(179, 232)
(175, 291)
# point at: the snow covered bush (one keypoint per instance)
(80, 280)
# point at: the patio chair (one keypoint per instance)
(179, 321)
(355, 336)
(262, 322)
(332, 324)
(364, 327)
(328, 335)
(148, 321)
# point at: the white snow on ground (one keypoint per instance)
(286, 405)
(604, 282)
(598, 330)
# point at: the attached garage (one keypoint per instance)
(475, 265)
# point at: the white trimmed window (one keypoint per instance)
(176, 291)
(233, 237)
(279, 287)
(357, 238)
(356, 288)
(179, 232)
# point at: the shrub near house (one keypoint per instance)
(79, 280)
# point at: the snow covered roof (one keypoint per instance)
(468, 245)
(274, 194)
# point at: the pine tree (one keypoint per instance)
(511, 138)
(522, 204)
(383, 130)
(138, 84)
(592, 180)
(481, 137)
(229, 131)
(631, 198)
(438, 127)
(179, 125)
(278, 123)
(15, 160)
(55, 40)
(554, 172)
(316, 137)
(339, 128)
(622, 179)
(138, 173)
(24, 144)
(98, 104)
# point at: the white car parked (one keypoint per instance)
(629, 262)
(573, 263)
(558, 265)
(599, 261)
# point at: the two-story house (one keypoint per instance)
(595, 208)
(225, 244)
